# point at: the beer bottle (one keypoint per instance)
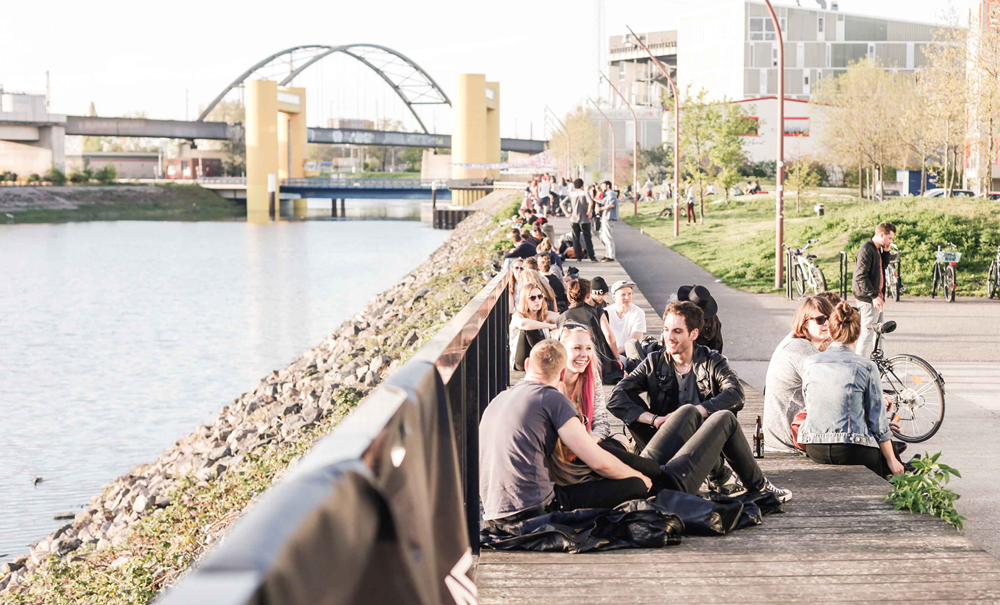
(758, 440)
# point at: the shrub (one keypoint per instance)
(108, 174)
(55, 176)
(77, 178)
(7, 175)
(34, 178)
(760, 170)
(921, 490)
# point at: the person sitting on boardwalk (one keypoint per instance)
(628, 321)
(578, 290)
(522, 248)
(518, 434)
(710, 334)
(846, 421)
(530, 324)
(682, 373)
(783, 384)
(582, 384)
(598, 293)
(545, 247)
(545, 268)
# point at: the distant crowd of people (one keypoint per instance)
(607, 413)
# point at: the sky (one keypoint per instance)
(170, 60)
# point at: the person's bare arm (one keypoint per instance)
(576, 438)
(890, 456)
(524, 323)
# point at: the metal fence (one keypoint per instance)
(352, 183)
(384, 509)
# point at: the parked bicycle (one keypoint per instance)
(944, 272)
(805, 274)
(993, 277)
(893, 280)
(913, 389)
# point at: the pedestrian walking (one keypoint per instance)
(544, 196)
(868, 284)
(577, 207)
(690, 204)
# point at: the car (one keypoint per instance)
(954, 193)
(993, 195)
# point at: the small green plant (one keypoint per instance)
(921, 490)
(55, 176)
(108, 174)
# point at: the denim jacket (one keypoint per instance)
(843, 396)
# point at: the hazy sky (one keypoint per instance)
(129, 56)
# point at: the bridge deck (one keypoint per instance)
(836, 542)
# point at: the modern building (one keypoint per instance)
(984, 21)
(632, 71)
(32, 140)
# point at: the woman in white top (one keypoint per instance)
(530, 324)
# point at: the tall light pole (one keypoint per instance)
(612, 127)
(565, 131)
(635, 148)
(677, 132)
(779, 204)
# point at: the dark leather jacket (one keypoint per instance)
(867, 272)
(719, 387)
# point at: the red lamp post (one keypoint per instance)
(635, 149)
(779, 204)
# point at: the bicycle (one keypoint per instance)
(993, 277)
(893, 280)
(944, 272)
(913, 389)
(805, 274)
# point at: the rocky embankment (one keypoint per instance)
(147, 526)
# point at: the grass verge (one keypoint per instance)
(736, 241)
(173, 203)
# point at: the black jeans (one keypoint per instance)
(608, 493)
(688, 449)
(588, 241)
(848, 454)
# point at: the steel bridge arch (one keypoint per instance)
(414, 86)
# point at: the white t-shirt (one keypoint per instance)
(543, 189)
(634, 320)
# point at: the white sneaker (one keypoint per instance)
(783, 495)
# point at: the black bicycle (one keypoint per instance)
(913, 389)
(993, 277)
(944, 272)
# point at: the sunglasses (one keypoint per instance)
(518, 268)
(535, 297)
(572, 325)
(820, 319)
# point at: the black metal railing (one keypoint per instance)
(386, 507)
(844, 273)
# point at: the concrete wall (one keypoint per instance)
(435, 166)
(24, 159)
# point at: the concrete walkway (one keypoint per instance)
(836, 542)
(961, 340)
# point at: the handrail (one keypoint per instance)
(385, 507)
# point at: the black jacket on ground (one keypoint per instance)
(719, 388)
(867, 272)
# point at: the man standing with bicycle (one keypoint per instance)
(869, 282)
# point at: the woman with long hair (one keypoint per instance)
(530, 324)
(532, 276)
(783, 385)
(846, 421)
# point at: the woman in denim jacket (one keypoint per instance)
(846, 421)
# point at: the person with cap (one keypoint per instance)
(598, 292)
(628, 321)
(711, 334)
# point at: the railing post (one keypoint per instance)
(471, 410)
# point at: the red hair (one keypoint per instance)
(585, 388)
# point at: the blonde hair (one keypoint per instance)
(525, 309)
(530, 276)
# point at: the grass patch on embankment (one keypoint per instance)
(736, 242)
(129, 203)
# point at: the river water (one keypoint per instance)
(118, 338)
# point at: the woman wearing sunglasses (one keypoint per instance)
(530, 323)
(783, 385)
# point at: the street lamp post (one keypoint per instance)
(677, 133)
(612, 127)
(635, 148)
(565, 131)
(779, 204)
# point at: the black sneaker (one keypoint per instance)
(730, 487)
(783, 495)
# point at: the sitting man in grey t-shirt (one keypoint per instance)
(518, 433)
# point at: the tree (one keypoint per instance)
(801, 177)
(983, 54)
(943, 91)
(726, 153)
(414, 157)
(655, 163)
(699, 124)
(584, 138)
(231, 112)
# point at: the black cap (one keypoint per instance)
(599, 286)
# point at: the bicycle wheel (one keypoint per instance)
(820, 279)
(916, 397)
(993, 280)
(948, 283)
(799, 280)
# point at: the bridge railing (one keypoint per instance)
(351, 183)
(386, 507)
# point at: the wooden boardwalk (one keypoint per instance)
(836, 542)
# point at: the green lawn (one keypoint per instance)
(736, 242)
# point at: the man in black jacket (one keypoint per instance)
(869, 282)
(682, 373)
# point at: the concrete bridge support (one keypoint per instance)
(276, 143)
(476, 139)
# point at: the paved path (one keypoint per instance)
(961, 340)
(836, 542)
